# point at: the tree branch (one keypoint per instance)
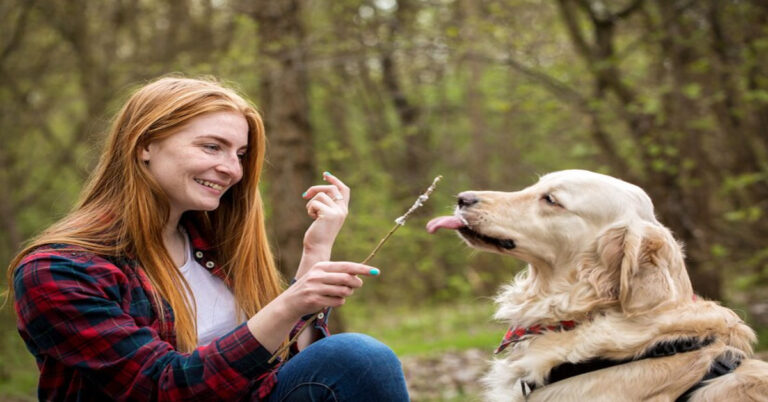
(15, 38)
(568, 15)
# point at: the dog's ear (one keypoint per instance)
(634, 266)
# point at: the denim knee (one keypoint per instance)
(342, 367)
(361, 352)
(310, 392)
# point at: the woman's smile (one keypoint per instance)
(200, 162)
(219, 188)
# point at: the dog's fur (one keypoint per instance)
(599, 256)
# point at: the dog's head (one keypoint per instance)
(582, 227)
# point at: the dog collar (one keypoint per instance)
(516, 334)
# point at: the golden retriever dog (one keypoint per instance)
(605, 310)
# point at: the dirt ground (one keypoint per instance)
(452, 376)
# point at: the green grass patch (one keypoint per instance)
(428, 329)
(18, 372)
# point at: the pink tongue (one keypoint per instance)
(447, 222)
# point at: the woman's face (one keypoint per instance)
(199, 163)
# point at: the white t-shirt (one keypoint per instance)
(216, 307)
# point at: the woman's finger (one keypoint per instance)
(335, 291)
(325, 199)
(327, 176)
(327, 297)
(332, 191)
(340, 279)
(333, 301)
(316, 209)
(352, 268)
(320, 205)
(318, 302)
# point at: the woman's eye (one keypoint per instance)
(211, 147)
(241, 156)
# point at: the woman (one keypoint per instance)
(160, 283)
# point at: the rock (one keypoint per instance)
(759, 313)
(451, 376)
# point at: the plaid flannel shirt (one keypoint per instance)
(94, 330)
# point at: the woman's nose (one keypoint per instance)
(232, 166)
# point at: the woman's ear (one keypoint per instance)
(144, 153)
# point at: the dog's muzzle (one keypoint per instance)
(467, 200)
(472, 236)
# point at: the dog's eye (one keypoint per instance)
(549, 199)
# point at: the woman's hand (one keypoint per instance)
(328, 206)
(326, 284)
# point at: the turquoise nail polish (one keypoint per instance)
(374, 271)
(326, 173)
(304, 194)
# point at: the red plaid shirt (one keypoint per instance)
(94, 330)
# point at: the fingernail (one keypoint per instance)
(327, 174)
(374, 271)
(304, 194)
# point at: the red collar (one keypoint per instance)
(517, 334)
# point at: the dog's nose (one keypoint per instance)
(467, 199)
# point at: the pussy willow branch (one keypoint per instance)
(398, 222)
(401, 220)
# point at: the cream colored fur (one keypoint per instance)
(599, 256)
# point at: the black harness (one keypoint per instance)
(723, 364)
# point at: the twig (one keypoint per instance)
(398, 222)
(401, 220)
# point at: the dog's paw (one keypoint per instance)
(502, 383)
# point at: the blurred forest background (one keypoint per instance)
(671, 95)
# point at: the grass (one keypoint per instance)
(428, 330)
(18, 372)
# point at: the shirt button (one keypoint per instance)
(199, 254)
(320, 316)
(209, 264)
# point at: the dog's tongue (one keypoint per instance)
(446, 222)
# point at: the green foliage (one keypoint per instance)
(425, 329)
(489, 94)
(762, 337)
(18, 372)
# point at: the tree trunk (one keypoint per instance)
(290, 159)
(412, 171)
(681, 207)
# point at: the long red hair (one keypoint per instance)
(122, 210)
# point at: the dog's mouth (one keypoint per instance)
(470, 235)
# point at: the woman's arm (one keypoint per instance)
(79, 312)
(328, 205)
(326, 284)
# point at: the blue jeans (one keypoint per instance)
(343, 367)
